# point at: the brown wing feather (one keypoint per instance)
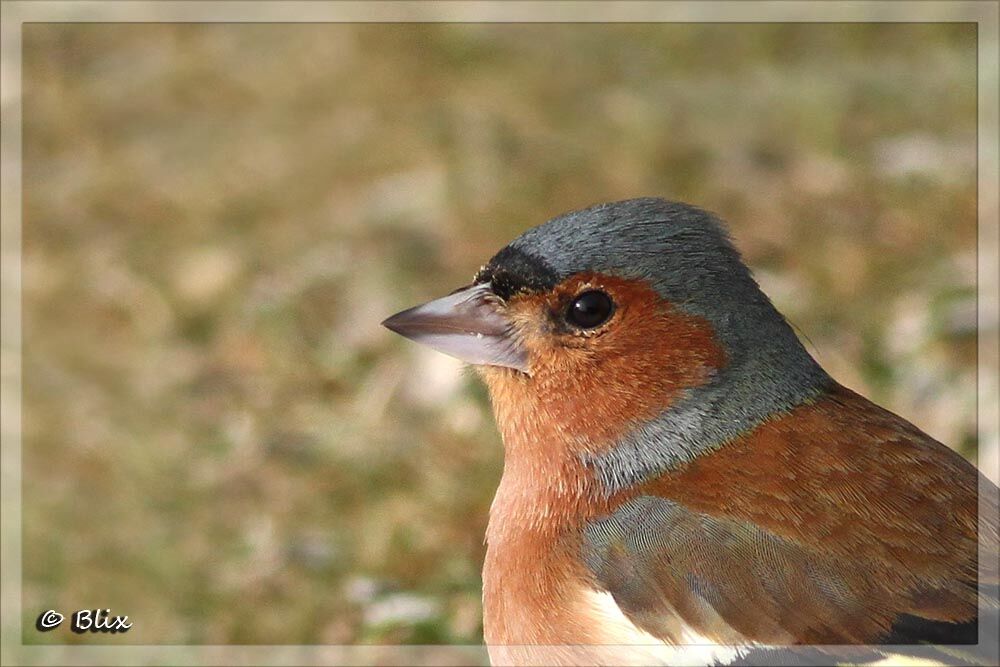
(828, 525)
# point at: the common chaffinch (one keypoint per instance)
(683, 483)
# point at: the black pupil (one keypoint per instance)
(589, 310)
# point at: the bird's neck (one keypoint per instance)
(767, 374)
(545, 490)
(555, 421)
(534, 582)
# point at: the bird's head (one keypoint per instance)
(621, 317)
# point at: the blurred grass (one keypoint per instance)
(218, 438)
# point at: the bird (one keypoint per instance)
(683, 483)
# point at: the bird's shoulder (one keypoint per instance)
(838, 522)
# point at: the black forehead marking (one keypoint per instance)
(512, 271)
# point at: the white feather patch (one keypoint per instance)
(640, 647)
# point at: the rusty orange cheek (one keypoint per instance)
(595, 386)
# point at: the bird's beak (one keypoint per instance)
(468, 324)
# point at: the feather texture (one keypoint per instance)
(837, 523)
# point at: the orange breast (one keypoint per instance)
(582, 394)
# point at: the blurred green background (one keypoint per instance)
(221, 442)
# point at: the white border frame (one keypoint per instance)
(15, 13)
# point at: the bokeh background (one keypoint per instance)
(221, 442)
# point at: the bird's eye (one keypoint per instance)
(590, 309)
